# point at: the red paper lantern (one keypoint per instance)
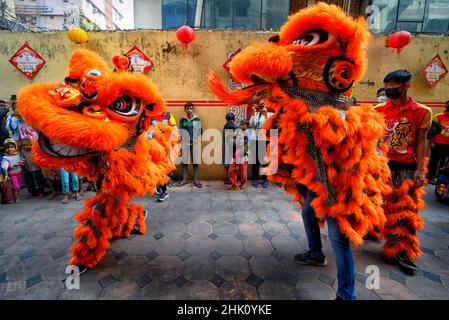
(185, 34)
(399, 40)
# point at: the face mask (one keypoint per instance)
(393, 93)
(382, 99)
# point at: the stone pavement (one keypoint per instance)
(206, 244)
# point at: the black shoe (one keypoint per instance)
(158, 191)
(163, 197)
(197, 184)
(227, 182)
(404, 261)
(306, 258)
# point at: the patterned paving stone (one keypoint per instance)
(215, 255)
(199, 229)
(213, 236)
(240, 236)
(199, 268)
(314, 290)
(246, 255)
(237, 290)
(225, 229)
(233, 268)
(166, 268)
(119, 290)
(143, 267)
(274, 290)
(186, 236)
(152, 255)
(180, 281)
(143, 281)
(257, 246)
(120, 256)
(254, 280)
(251, 229)
(229, 246)
(217, 281)
(33, 280)
(184, 255)
(106, 281)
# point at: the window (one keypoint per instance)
(430, 16)
(244, 14)
(176, 13)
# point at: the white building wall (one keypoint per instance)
(148, 14)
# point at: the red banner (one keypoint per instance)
(139, 61)
(27, 61)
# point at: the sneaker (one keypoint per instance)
(197, 184)
(158, 191)
(266, 184)
(163, 197)
(255, 183)
(404, 261)
(306, 258)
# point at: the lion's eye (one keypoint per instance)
(126, 106)
(94, 73)
(312, 38)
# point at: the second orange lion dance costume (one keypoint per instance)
(95, 123)
(324, 144)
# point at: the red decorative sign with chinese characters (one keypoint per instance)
(139, 61)
(27, 61)
(434, 71)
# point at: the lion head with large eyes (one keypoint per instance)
(319, 48)
(93, 111)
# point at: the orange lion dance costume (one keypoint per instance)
(94, 123)
(325, 145)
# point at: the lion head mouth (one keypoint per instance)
(60, 150)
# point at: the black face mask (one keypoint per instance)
(393, 93)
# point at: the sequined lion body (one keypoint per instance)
(94, 123)
(324, 144)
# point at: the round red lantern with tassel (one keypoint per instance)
(399, 40)
(185, 34)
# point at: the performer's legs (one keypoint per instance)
(403, 219)
(312, 228)
(344, 260)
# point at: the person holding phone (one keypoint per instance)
(257, 142)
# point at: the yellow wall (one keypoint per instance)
(181, 75)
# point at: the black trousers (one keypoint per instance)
(35, 182)
(438, 154)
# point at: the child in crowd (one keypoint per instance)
(33, 175)
(11, 169)
(227, 141)
(240, 156)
